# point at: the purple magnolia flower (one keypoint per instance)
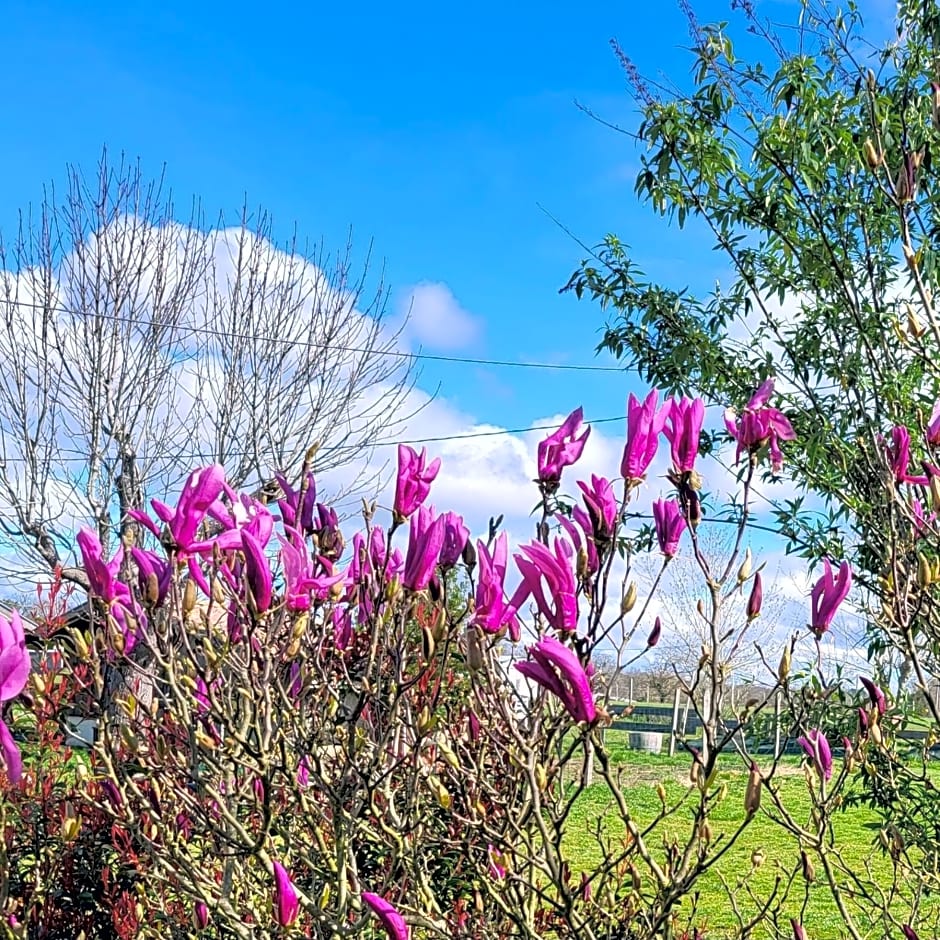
(105, 585)
(303, 772)
(580, 530)
(152, 570)
(876, 695)
(415, 476)
(456, 535)
(286, 904)
(243, 513)
(899, 456)
(760, 425)
(536, 564)
(655, 633)
(933, 428)
(201, 915)
(329, 535)
(492, 613)
(391, 920)
(342, 627)
(562, 448)
(828, 594)
(798, 932)
(555, 667)
(425, 540)
(602, 507)
(257, 573)
(644, 424)
(667, 517)
(14, 671)
(922, 522)
(297, 511)
(496, 869)
(301, 580)
(909, 932)
(199, 493)
(817, 749)
(683, 427)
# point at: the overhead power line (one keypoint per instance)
(363, 350)
(499, 432)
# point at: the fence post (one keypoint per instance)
(777, 710)
(587, 771)
(673, 734)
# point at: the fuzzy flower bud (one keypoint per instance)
(755, 599)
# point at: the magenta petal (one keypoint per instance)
(144, 520)
(11, 754)
(164, 512)
(195, 572)
(286, 904)
(761, 396)
(14, 671)
(391, 920)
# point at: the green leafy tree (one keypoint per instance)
(810, 163)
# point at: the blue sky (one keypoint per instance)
(444, 133)
(437, 131)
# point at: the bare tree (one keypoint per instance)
(136, 347)
(686, 634)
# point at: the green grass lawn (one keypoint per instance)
(856, 832)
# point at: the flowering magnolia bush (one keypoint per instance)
(306, 733)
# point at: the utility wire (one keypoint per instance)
(363, 350)
(80, 454)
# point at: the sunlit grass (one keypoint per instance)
(596, 822)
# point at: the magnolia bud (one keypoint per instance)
(783, 670)
(924, 574)
(914, 327)
(757, 857)
(809, 873)
(152, 590)
(469, 555)
(628, 601)
(201, 916)
(189, 597)
(873, 157)
(425, 720)
(755, 599)
(935, 493)
(427, 644)
(753, 791)
(582, 564)
(541, 778)
(655, 633)
(71, 824)
(475, 656)
(744, 572)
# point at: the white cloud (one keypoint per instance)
(436, 319)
